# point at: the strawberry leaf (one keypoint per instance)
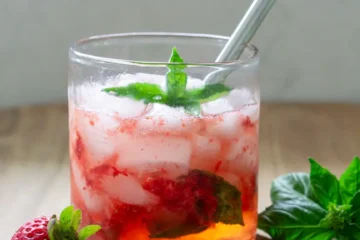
(54, 230)
(66, 227)
(65, 219)
(88, 231)
(76, 219)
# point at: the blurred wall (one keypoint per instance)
(310, 49)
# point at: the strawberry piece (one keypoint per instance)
(174, 196)
(35, 229)
(190, 199)
(45, 228)
(124, 213)
(192, 203)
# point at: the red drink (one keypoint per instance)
(170, 156)
(138, 177)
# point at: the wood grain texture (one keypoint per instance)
(34, 162)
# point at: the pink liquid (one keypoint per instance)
(124, 171)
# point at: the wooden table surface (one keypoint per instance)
(34, 162)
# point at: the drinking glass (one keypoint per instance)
(144, 169)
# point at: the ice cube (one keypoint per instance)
(94, 130)
(194, 83)
(251, 111)
(206, 146)
(238, 98)
(206, 151)
(227, 125)
(93, 201)
(165, 119)
(141, 152)
(217, 106)
(243, 153)
(92, 98)
(127, 190)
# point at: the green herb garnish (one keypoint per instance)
(176, 94)
(315, 206)
(68, 224)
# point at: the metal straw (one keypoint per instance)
(242, 35)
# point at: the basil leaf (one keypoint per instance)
(294, 213)
(350, 180)
(176, 78)
(208, 92)
(337, 216)
(147, 92)
(350, 232)
(324, 184)
(290, 186)
(355, 203)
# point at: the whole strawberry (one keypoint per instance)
(46, 228)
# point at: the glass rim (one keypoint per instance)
(74, 50)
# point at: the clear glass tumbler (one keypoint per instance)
(157, 152)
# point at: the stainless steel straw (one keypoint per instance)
(242, 35)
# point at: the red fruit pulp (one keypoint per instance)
(150, 198)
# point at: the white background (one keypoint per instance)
(310, 49)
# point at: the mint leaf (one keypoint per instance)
(88, 231)
(294, 214)
(147, 92)
(350, 180)
(193, 108)
(176, 94)
(176, 78)
(228, 197)
(324, 184)
(208, 92)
